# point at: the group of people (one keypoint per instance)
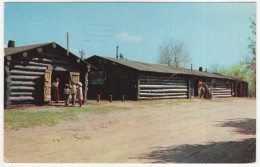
(72, 92)
(205, 91)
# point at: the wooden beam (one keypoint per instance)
(162, 80)
(26, 72)
(220, 90)
(57, 67)
(22, 83)
(22, 98)
(221, 95)
(164, 97)
(162, 86)
(51, 61)
(164, 90)
(22, 88)
(53, 55)
(163, 83)
(21, 94)
(163, 94)
(34, 63)
(23, 77)
(64, 68)
(34, 68)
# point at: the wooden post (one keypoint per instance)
(86, 84)
(138, 87)
(86, 88)
(110, 98)
(188, 87)
(98, 98)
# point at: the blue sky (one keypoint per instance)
(214, 33)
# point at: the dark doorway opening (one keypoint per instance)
(64, 77)
(196, 87)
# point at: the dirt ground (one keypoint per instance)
(199, 131)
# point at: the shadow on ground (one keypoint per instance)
(222, 152)
(242, 126)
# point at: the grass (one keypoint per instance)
(37, 116)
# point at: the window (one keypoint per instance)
(97, 77)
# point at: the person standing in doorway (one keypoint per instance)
(73, 93)
(66, 94)
(80, 93)
(202, 91)
(56, 90)
(206, 90)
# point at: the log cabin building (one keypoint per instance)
(137, 81)
(30, 70)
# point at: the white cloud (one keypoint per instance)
(125, 37)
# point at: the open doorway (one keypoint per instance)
(196, 87)
(64, 77)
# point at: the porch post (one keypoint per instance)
(86, 84)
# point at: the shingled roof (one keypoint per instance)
(147, 67)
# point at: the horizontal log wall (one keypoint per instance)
(24, 74)
(161, 87)
(117, 83)
(221, 89)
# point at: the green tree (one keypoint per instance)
(246, 69)
(174, 54)
(249, 61)
(236, 71)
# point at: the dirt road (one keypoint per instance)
(196, 131)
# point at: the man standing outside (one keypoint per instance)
(73, 93)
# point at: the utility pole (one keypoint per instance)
(68, 44)
(117, 52)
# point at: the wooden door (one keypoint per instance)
(74, 77)
(47, 85)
